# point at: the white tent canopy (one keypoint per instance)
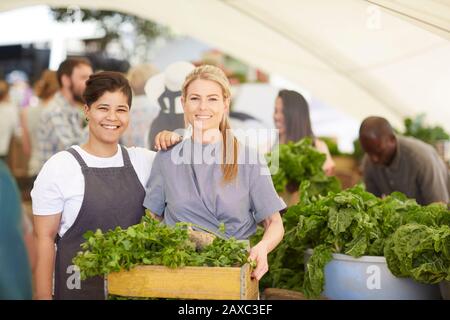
(41, 29)
(378, 57)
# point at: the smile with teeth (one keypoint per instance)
(202, 117)
(110, 127)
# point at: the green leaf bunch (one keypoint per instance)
(415, 127)
(356, 223)
(420, 252)
(153, 243)
(298, 162)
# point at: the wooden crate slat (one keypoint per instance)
(249, 286)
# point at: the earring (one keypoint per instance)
(87, 119)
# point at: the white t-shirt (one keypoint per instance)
(59, 187)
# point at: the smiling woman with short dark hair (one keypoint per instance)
(97, 185)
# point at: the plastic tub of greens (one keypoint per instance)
(368, 278)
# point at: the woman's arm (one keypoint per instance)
(273, 234)
(45, 229)
(328, 165)
(27, 227)
(155, 195)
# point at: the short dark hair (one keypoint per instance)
(106, 81)
(296, 115)
(66, 67)
(376, 128)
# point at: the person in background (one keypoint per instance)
(15, 272)
(9, 120)
(164, 89)
(292, 119)
(228, 188)
(44, 89)
(96, 185)
(397, 163)
(144, 111)
(61, 122)
(20, 91)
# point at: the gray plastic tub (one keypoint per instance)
(368, 278)
(445, 290)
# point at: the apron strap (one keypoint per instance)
(126, 157)
(78, 158)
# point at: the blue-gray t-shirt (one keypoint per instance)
(186, 185)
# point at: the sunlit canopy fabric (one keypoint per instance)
(378, 57)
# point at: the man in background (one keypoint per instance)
(405, 164)
(61, 123)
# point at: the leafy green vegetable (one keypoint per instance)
(417, 128)
(352, 222)
(356, 223)
(298, 162)
(419, 252)
(286, 262)
(153, 243)
(315, 271)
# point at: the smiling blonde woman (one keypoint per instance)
(186, 186)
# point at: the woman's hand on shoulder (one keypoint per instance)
(166, 139)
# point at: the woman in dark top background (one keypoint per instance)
(292, 119)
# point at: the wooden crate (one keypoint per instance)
(283, 294)
(218, 283)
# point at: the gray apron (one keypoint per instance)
(112, 197)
